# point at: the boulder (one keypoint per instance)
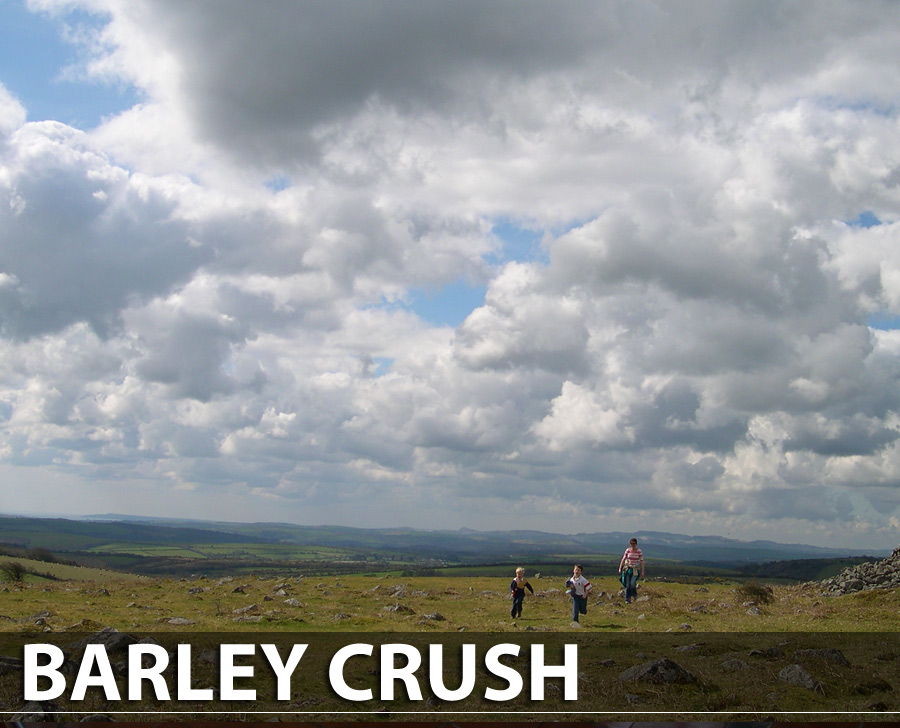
(797, 675)
(662, 670)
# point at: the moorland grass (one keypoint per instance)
(395, 603)
(715, 623)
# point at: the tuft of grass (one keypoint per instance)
(755, 591)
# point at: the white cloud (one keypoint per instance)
(690, 343)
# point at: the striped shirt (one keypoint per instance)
(633, 558)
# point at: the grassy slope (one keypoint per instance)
(359, 603)
(37, 570)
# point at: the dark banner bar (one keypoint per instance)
(441, 678)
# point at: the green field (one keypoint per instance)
(714, 621)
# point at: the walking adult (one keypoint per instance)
(631, 568)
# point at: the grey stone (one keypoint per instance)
(112, 640)
(734, 665)
(400, 609)
(828, 654)
(662, 670)
(797, 675)
(38, 712)
(767, 652)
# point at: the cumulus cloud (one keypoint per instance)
(210, 298)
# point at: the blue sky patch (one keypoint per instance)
(884, 321)
(278, 182)
(33, 57)
(866, 219)
(520, 244)
(448, 306)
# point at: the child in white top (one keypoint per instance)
(578, 588)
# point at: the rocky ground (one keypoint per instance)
(870, 575)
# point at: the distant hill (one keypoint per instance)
(181, 547)
(464, 544)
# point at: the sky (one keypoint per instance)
(574, 267)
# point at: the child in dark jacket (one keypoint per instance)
(517, 588)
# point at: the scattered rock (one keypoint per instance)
(112, 640)
(662, 670)
(400, 609)
(797, 675)
(180, 621)
(734, 665)
(869, 575)
(754, 611)
(293, 602)
(38, 712)
(872, 685)
(690, 648)
(249, 609)
(828, 654)
(768, 653)
(195, 590)
(435, 617)
(10, 664)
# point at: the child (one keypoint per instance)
(578, 588)
(517, 588)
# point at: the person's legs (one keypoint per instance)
(574, 608)
(631, 588)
